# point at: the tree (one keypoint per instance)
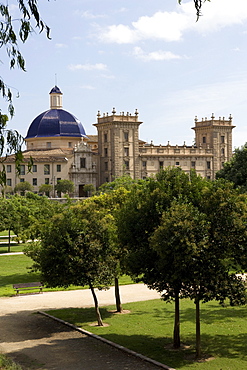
(236, 169)
(185, 236)
(89, 189)
(10, 39)
(64, 186)
(108, 205)
(45, 189)
(124, 181)
(10, 143)
(22, 187)
(74, 249)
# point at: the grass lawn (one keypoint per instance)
(13, 248)
(14, 269)
(148, 328)
(7, 364)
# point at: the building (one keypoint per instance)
(61, 149)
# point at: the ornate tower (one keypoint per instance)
(215, 134)
(118, 145)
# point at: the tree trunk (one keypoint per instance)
(198, 329)
(9, 242)
(176, 332)
(96, 305)
(117, 296)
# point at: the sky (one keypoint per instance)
(147, 55)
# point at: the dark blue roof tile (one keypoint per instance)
(54, 123)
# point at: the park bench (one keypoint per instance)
(28, 286)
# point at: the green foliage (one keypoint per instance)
(45, 189)
(74, 249)
(10, 143)
(184, 235)
(89, 189)
(124, 181)
(25, 215)
(236, 169)
(22, 187)
(65, 187)
(7, 364)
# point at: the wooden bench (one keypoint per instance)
(28, 286)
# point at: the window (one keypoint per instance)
(48, 145)
(21, 180)
(208, 177)
(47, 181)
(204, 139)
(222, 151)
(222, 139)
(193, 164)
(58, 167)
(105, 137)
(107, 179)
(126, 136)
(106, 166)
(82, 162)
(177, 163)
(22, 170)
(208, 165)
(144, 164)
(35, 168)
(46, 169)
(35, 182)
(126, 165)
(161, 165)
(9, 182)
(106, 152)
(126, 152)
(70, 144)
(58, 179)
(9, 169)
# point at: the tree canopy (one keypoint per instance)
(186, 237)
(236, 169)
(64, 186)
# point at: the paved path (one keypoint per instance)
(38, 342)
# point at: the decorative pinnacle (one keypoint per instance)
(98, 115)
(136, 112)
(196, 119)
(212, 117)
(113, 111)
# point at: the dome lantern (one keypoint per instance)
(56, 98)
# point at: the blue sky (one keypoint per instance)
(149, 55)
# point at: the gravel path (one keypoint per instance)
(38, 342)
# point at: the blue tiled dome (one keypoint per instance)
(54, 123)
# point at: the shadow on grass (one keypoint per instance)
(231, 347)
(80, 316)
(210, 313)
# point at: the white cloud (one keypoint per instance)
(61, 46)
(170, 26)
(88, 15)
(88, 67)
(155, 55)
(119, 34)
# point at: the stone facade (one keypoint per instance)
(117, 150)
